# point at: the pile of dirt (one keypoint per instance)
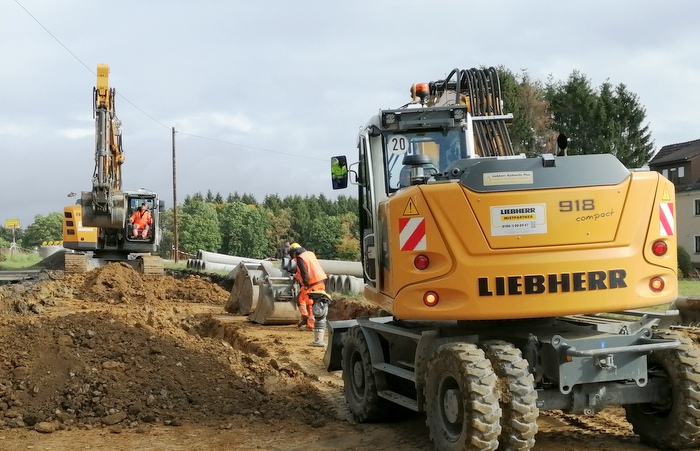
(113, 348)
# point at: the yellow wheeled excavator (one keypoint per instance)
(97, 228)
(497, 270)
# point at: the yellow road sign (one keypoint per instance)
(12, 223)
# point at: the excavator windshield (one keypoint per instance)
(443, 147)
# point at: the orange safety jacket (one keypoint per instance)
(309, 271)
(141, 218)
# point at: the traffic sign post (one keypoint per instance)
(12, 224)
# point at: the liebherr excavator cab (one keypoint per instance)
(497, 268)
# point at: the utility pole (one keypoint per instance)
(175, 234)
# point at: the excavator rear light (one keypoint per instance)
(458, 114)
(430, 298)
(656, 284)
(659, 248)
(421, 262)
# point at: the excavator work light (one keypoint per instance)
(388, 119)
(659, 248)
(656, 284)
(421, 262)
(430, 298)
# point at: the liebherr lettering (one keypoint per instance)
(552, 283)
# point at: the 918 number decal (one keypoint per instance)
(566, 206)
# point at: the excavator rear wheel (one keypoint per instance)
(461, 399)
(675, 423)
(358, 379)
(518, 397)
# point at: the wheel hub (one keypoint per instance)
(450, 405)
(358, 375)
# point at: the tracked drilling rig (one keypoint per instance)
(497, 270)
(98, 226)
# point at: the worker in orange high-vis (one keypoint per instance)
(141, 220)
(311, 278)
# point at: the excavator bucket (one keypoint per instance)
(276, 302)
(244, 294)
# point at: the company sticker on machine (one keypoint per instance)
(508, 178)
(518, 219)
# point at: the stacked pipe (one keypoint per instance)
(343, 283)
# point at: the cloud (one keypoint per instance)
(76, 133)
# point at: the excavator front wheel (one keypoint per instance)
(674, 423)
(461, 399)
(358, 379)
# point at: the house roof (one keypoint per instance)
(676, 153)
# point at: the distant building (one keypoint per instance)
(680, 163)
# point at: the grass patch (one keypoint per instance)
(689, 287)
(19, 260)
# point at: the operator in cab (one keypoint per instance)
(141, 221)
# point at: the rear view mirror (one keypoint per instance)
(339, 172)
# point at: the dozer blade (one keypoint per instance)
(276, 300)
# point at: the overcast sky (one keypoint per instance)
(262, 93)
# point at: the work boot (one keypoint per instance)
(301, 325)
(319, 335)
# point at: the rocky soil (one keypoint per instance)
(115, 360)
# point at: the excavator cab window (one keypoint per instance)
(443, 147)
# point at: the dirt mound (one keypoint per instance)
(347, 308)
(55, 261)
(132, 356)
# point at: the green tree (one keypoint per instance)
(249, 199)
(573, 106)
(168, 233)
(198, 226)
(324, 234)
(44, 228)
(685, 264)
(524, 97)
(272, 202)
(244, 230)
(603, 120)
(348, 246)
(280, 230)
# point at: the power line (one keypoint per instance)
(252, 147)
(148, 115)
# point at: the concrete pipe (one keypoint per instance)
(341, 267)
(330, 283)
(342, 285)
(209, 266)
(214, 257)
(357, 285)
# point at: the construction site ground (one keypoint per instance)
(111, 359)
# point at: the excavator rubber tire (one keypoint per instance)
(461, 399)
(673, 424)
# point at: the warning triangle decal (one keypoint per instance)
(410, 209)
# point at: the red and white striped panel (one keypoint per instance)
(412, 234)
(667, 222)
